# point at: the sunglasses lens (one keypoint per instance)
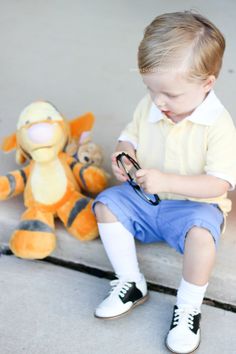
(128, 167)
(132, 172)
(150, 198)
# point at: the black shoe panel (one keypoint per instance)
(196, 321)
(133, 294)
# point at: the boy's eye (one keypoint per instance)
(172, 96)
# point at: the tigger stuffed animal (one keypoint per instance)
(52, 180)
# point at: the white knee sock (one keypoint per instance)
(120, 248)
(190, 294)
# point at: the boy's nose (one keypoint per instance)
(40, 133)
(160, 102)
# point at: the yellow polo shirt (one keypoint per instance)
(202, 143)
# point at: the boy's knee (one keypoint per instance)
(99, 208)
(103, 213)
(200, 236)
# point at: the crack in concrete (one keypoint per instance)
(99, 273)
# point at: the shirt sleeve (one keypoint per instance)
(221, 150)
(131, 131)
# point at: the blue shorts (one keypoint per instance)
(169, 221)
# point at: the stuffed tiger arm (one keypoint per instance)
(13, 183)
(91, 179)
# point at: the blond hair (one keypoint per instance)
(182, 37)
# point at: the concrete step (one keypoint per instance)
(49, 309)
(160, 264)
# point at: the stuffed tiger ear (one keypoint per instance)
(85, 137)
(9, 143)
(81, 124)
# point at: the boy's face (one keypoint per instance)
(174, 95)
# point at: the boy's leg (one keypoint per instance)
(192, 228)
(199, 258)
(118, 243)
(130, 289)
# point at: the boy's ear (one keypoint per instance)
(209, 83)
(9, 143)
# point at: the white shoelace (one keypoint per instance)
(184, 316)
(119, 287)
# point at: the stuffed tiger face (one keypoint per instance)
(42, 132)
(36, 139)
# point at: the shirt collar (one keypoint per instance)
(206, 113)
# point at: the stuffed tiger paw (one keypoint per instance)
(52, 181)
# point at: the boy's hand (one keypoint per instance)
(119, 172)
(152, 181)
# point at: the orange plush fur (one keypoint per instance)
(52, 181)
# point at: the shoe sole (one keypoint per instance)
(192, 351)
(138, 302)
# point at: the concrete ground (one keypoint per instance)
(46, 309)
(81, 56)
(160, 264)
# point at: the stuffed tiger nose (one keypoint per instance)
(41, 132)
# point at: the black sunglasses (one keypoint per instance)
(152, 199)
